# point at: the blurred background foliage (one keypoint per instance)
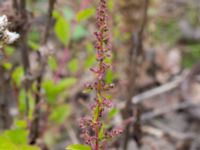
(70, 53)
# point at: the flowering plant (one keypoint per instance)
(6, 36)
(94, 132)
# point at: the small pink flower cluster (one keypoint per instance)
(92, 126)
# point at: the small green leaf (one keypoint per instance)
(21, 124)
(33, 45)
(109, 76)
(52, 90)
(96, 113)
(60, 113)
(68, 13)
(110, 4)
(9, 50)
(7, 65)
(66, 83)
(62, 30)
(22, 99)
(89, 61)
(78, 147)
(113, 113)
(34, 39)
(73, 65)
(52, 63)
(85, 14)
(90, 48)
(79, 32)
(34, 35)
(101, 132)
(17, 75)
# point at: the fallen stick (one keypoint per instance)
(167, 131)
(161, 111)
(157, 91)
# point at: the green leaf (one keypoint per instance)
(17, 75)
(110, 5)
(90, 48)
(68, 13)
(109, 76)
(62, 30)
(85, 14)
(102, 132)
(15, 139)
(113, 113)
(13, 136)
(89, 61)
(96, 113)
(79, 32)
(22, 99)
(7, 65)
(28, 147)
(78, 147)
(33, 45)
(52, 90)
(9, 50)
(73, 65)
(34, 39)
(21, 124)
(34, 35)
(5, 144)
(60, 113)
(52, 63)
(66, 83)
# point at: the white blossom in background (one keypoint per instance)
(3, 23)
(7, 37)
(10, 37)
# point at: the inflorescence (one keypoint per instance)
(93, 131)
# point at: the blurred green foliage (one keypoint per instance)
(34, 39)
(16, 139)
(166, 31)
(53, 90)
(78, 147)
(17, 75)
(73, 65)
(60, 113)
(85, 14)
(62, 29)
(191, 56)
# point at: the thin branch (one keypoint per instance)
(35, 128)
(15, 4)
(161, 111)
(49, 20)
(22, 7)
(163, 131)
(135, 53)
(24, 48)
